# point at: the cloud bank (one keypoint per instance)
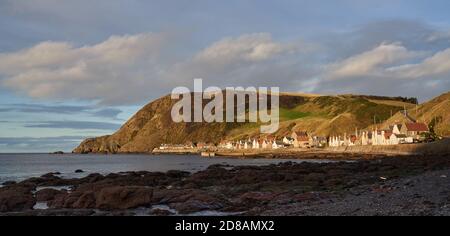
(78, 125)
(93, 111)
(113, 71)
(29, 144)
(133, 69)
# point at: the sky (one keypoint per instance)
(75, 69)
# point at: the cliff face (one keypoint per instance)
(319, 115)
(151, 127)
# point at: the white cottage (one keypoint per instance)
(265, 145)
(255, 144)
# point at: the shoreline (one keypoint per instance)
(334, 153)
(228, 190)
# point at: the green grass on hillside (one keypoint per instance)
(286, 114)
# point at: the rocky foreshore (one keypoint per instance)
(404, 185)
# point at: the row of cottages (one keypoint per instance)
(396, 134)
(186, 146)
(364, 138)
(301, 139)
(269, 143)
(337, 141)
(205, 146)
(298, 139)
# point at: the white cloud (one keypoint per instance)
(391, 70)
(250, 47)
(136, 68)
(41, 55)
(244, 60)
(370, 62)
(102, 71)
(133, 69)
(436, 65)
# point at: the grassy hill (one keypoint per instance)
(435, 111)
(317, 114)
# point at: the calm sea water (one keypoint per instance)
(18, 167)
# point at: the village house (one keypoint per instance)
(277, 144)
(189, 145)
(334, 141)
(395, 139)
(264, 144)
(365, 138)
(247, 144)
(254, 144)
(288, 141)
(205, 146)
(225, 144)
(353, 140)
(201, 145)
(396, 128)
(414, 130)
(301, 139)
(242, 145)
(319, 141)
(380, 137)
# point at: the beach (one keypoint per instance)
(395, 185)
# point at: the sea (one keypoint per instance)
(18, 167)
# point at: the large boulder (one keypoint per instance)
(47, 194)
(16, 198)
(191, 200)
(85, 201)
(123, 197)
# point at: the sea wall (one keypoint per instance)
(440, 147)
(176, 151)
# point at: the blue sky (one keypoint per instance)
(76, 69)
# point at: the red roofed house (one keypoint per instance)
(301, 139)
(414, 129)
(201, 145)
